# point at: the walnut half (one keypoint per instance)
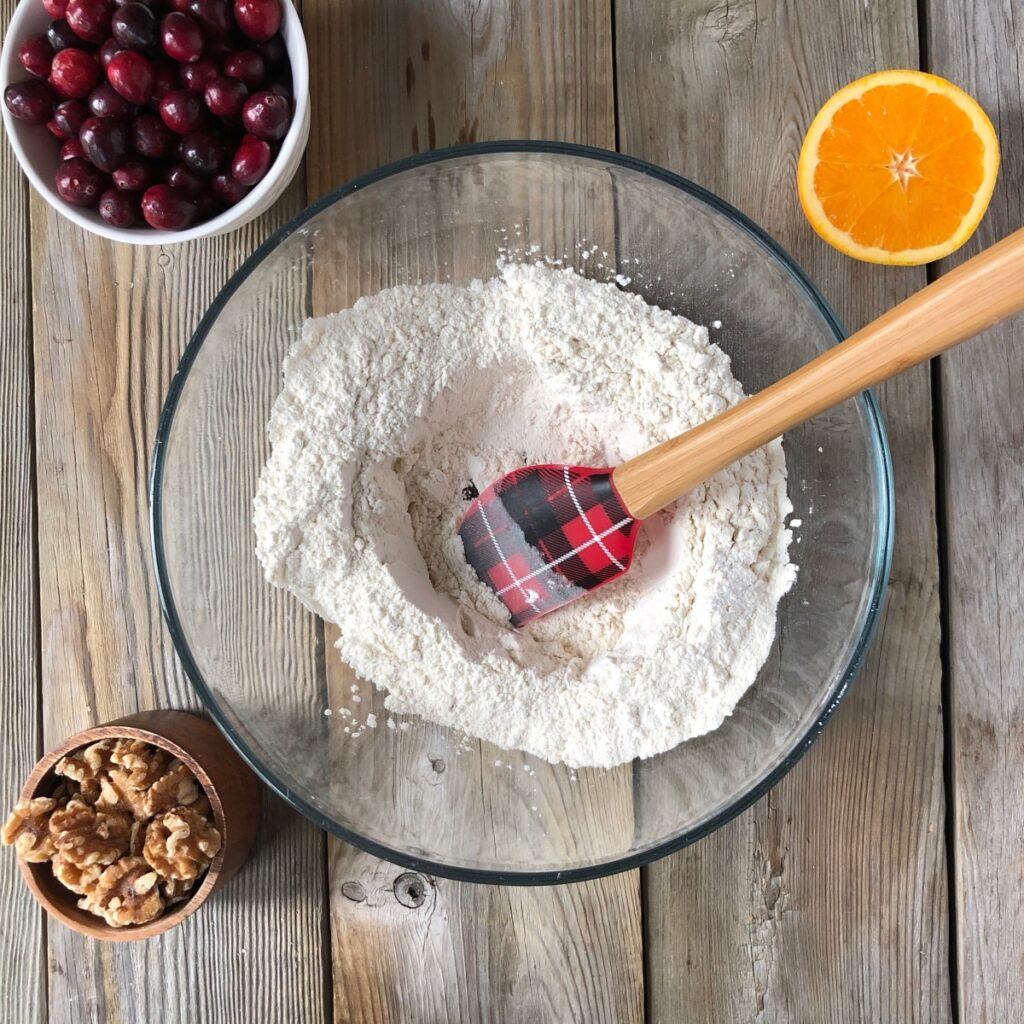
(180, 844)
(28, 830)
(126, 893)
(87, 835)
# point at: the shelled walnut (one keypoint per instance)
(28, 830)
(127, 892)
(128, 828)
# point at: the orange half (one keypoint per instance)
(898, 167)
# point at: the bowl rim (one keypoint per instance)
(884, 532)
(249, 207)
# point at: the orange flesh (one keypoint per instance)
(899, 167)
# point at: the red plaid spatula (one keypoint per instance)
(542, 536)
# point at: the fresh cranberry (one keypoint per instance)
(31, 101)
(133, 175)
(179, 5)
(251, 160)
(105, 101)
(36, 55)
(208, 206)
(119, 209)
(107, 51)
(195, 77)
(60, 36)
(166, 78)
(214, 15)
(150, 136)
(55, 130)
(71, 150)
(166, 208)
(69, 116)
(79, 183)
(247, 66)
(55, 8)
(228, 190)
(201, 152)
(105, 141)
(74, 73)
(182, 111)
(134, 26)
(181, 37)
(185, 180)
(258, 19)
(132, 76)
(273, 51)
(267, 115)
(90, 19)
(225, 96)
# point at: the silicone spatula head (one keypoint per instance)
(542, 536)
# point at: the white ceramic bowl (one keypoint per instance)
(37, 151)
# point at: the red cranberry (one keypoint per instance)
(71, 150)
(105, 141)
(55, 8)
(228, 190)
(208, 206)
(106, 53)
(179, 5)
(225, 96)
(267, 115)
(251, 160)
(60, 36)
(133, 175)
(181, 37)
(166, 208)
(119, 209)
(150, 137)
(36, 55)
(273, 51)
(195, 77)
(166, 78)
(30, 101)
(134, 26)
(69, 116)
(132, 76)
(258, 19)
(213, 15)
(105, 101)
(74, 73)
(247, 66)
(55, 130)
(90, 19)
(182, 111)
(79, 183)
(201, 152)
(185, 180)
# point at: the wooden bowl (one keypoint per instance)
(230, 787)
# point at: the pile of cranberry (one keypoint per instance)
(166, 110)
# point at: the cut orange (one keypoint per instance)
(898, 167)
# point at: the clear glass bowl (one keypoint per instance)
(416, 793)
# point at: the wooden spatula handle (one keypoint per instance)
(984, 290)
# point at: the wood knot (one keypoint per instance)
(411, 890)
(437, 763)
(728, 22)
(353, 891)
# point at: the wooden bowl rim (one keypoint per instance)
(101, 930)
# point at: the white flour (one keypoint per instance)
(391, 408)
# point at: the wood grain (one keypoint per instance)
(423, 74)
(981, 48)
(826, 901)
(22, 957)
(107, 340)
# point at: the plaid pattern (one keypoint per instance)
(543, 536)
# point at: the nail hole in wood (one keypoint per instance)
(410, 890)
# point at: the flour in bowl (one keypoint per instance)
(391, 409)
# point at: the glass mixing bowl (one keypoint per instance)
(408, 790)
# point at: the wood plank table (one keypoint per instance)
(882, 880)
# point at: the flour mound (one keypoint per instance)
(390, 409)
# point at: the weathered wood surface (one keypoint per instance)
(22, 950)
(827, 900)
(424, 75)
(107, 340)
(981, 48)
